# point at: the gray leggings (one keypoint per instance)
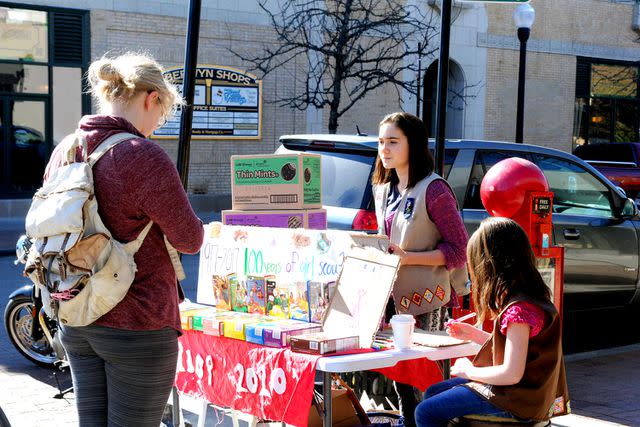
(120, 377)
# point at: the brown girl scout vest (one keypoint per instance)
(418, 289)
(542, 392)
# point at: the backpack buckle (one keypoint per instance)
(39, 270)
(62, 266)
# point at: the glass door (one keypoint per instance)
(24, 146)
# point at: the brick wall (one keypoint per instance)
(549, 98)
(164, 38)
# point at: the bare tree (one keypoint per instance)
(349, 48)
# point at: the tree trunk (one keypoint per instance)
(333, 119)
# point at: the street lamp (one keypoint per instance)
(523, 17)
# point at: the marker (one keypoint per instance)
(460, 319)
(466, 317)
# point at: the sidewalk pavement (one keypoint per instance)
(604, 387)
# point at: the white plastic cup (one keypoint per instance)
(403, 325)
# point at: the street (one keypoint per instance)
(585, 332)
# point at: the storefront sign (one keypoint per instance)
(227, 104)
(270, 383)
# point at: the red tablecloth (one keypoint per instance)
(270, 383)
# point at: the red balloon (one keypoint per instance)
(504, 186)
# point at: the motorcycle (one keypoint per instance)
(29, 328)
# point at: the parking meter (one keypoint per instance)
(516, 188)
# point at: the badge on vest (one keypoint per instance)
(408, 207)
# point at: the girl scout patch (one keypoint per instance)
(408, 207)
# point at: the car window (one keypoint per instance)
(483, 162)
(345, 178)
(449, 158)
(575, 190)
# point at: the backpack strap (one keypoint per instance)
(70, 143)
(133, 246)
(107, 145)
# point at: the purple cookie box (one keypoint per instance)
(278, 335)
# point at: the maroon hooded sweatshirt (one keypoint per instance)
(136, 182)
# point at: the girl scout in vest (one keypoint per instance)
(519, 371)
(418, 211)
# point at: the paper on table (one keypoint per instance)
(435, 339)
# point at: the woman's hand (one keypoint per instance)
(461, 367)
(397, 250)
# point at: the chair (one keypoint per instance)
(491, 421)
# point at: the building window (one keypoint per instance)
(607, 101)
(24, 34)
(43, 55)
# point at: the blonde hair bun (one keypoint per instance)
(117, 79)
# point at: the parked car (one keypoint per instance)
(618, 161)
(593, 219)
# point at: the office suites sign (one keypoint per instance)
(227, 104)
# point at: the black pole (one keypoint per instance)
(419, 80)
(523, 36)
(443, 77)
(188, 90)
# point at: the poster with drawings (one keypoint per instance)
(363, 289)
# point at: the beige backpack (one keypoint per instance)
(82, 271)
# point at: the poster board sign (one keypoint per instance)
(227, 104)
(289, 255)
(362, 292)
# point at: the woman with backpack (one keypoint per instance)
(123, 365)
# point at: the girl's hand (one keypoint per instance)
(462, 331)
(461, 368)
(397, 250)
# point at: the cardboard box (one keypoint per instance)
(323, 343)
(239, 296)
(320, 294)
(187, 311)
(197, 320)
(254, 332)
(299, 301)
(279, 334)
(343, 412)
(257, 293)
(276, 181)
(277, 299)
(222, 290)
(234, 327)
(313, 219)
(213, 324)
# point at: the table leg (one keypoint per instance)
(446, 369)
(326, 394)
(176, 411)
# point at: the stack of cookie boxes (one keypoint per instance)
(276, 190)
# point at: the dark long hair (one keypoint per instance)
(420, 160)
(503, 265)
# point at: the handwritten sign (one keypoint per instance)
(274, 384)
(364, 286)
(292, 255)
